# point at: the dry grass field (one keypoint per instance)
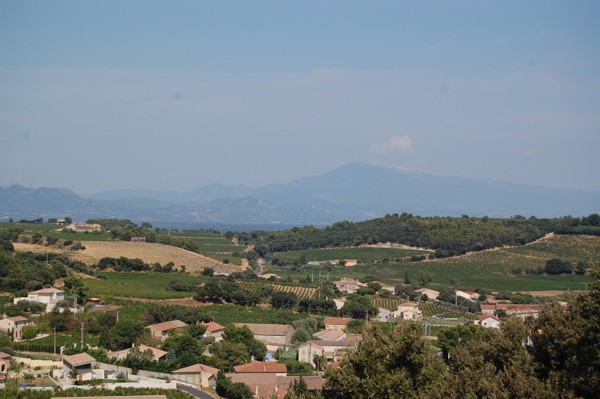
(148, 252)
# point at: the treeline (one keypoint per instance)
(124, 264)
(447, 236)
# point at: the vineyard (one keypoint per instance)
(301, 292)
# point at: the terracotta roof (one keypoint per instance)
(338, 320)
(197, 368)
(78, 359)
(156, 353)
(313, 382)
(18, 318)
(267, 329)
(212, 326)
(261, 367)
(317, 342)
(5, 355)
(262, 384)
(167, 325)
(487, 316)
(329, 335)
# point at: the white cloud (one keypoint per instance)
(396, 144)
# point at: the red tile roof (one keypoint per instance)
(261, 367)
(337, 321)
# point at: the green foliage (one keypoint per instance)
(566, 343)
(283, 300)
(122, 335)
(557, 266)
(391, 361)
(359, 307)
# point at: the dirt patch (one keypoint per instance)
(177, 302)
(148, 252)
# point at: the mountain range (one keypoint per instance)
(355, 191)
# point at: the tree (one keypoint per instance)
(74, 286)
(147, 225)
(29, 332)
(359, 307)
(558, 266)
(391, 361)
(566, 342)
(283, 300)
(423, 278)
(122, 335)
(68, 220)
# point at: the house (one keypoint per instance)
(274, 334)
(337, 323)
(138, 239)
(384, 315)
(408, 311)
(330, 335)
(487, 308)
(470, 295)
(48, 296)
(263, 386)
(80, 367)
(14, 326)
(331, 350)
(348, 285)
(488, 321)
(198, 374)
(432, 295)
(162, 330)
(157, 354)
(385, 286)
(522, 311)
(213, 330)
(270, 276)
(279, 369)
(4, 362)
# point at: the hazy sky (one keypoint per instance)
(97, 95)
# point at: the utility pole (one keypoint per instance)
(82, 335)
(55, 340)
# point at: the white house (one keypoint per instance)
(157, 354)
(162, 330)
(408, 311)
(213, 330)
(80, 367)
(488, 321)
(470, 295)
(332, 350)
(48, 296)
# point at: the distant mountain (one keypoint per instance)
(355, 191)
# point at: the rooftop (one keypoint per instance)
(197, 368)
(261, 367)
(267, 329)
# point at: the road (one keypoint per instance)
(194, 392)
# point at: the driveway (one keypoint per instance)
(194, 392)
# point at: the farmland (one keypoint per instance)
(502, 269)
(150, 285)
(361, 254)
(301, 292)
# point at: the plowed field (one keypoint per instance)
(148, 252)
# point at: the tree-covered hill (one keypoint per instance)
(448, 236)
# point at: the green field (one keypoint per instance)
(227, 314)
(573, 248)
(361, 254)
(29, 226)
(221, 257)
(216, 240)
(493, 270)
(211, 248)
(149, 285)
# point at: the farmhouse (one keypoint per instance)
(162, 330)
(84, 227)
(80, 367)
(432, 295)
(488, 321)
(4, 362)
(470, 295)
(213, 330)
(48, 296)
(198, 374)
(348, 285)
(13, 325)
(408, 311)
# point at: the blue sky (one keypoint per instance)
(179, 94)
